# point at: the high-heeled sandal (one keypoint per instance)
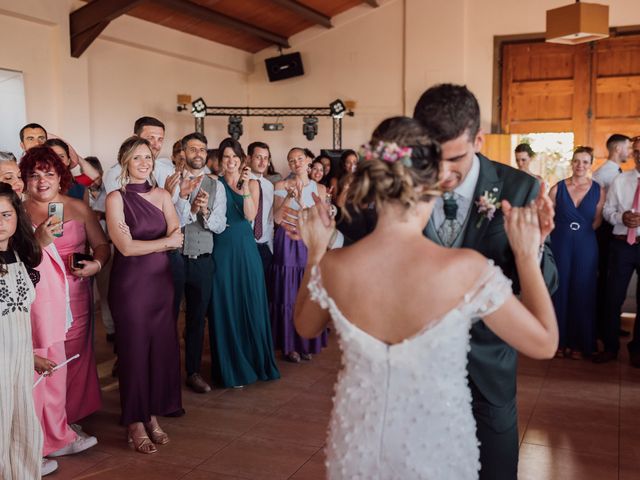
(144, 445)
(158, 435)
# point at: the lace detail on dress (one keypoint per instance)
(489, 294)
(317, 293)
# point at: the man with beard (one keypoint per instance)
(202, 207)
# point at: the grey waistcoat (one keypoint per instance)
(197, 239)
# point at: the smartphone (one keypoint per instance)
(76, 258)
(56, 209)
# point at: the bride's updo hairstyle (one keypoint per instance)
(399, 164)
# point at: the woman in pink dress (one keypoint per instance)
(47, 179)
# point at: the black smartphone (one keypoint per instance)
(56, 209)
(76, 258)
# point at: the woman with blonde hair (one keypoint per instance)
(144, 226)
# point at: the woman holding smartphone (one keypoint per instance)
(242, 351)
(144, 226)
(61, 313)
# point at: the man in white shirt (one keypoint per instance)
(618, 148)
(259, 158)
(622, 210)
(202, 209)
(150, 129)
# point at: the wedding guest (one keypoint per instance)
(143, 226)
(618, 153)
(346, 166)
(178, 156)
(51, 314)
(621, 210)
(243, 350)
(578, 203)
(20, 433)
(202, 213)
(97, 203)
(259, 160)
(152, 130)
(32, 135)
(61, 148)
(326, 164)
(10, 173)
(289, 260)
(317, 171)
(48, 179)
(402, 407)
(524, 154)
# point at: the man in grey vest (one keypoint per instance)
(201, 204)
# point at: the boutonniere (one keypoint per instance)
(487, 205)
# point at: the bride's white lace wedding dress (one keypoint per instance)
(403, 411)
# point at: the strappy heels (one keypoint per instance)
(158, 435)
(141, 443)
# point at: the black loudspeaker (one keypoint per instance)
(284, 66)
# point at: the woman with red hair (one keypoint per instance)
(47, 179)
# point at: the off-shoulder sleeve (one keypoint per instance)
(489, 294)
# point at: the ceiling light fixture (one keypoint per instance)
(577, 23)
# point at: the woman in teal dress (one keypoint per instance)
(243, 348)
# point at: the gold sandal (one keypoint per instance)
(158, 435)
(145, 445)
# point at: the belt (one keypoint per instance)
(195, 257)
(624, 239)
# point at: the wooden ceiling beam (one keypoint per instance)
(305, 12)
(203, 13)
(87, 22)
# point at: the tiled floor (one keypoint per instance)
(577, 421)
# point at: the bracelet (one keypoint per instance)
(99, 264)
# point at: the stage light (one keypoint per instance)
(199, 108)
(310, 127)
(337, 108)
(235, 127)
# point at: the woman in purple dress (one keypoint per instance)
(143, 226)
(289, 260)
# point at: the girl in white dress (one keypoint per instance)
(20, 433)
(402, 307)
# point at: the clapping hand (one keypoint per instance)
(523, 229)
(172, 182)
(200, 203)
(291, 216)
(314, 232)
(188, 185)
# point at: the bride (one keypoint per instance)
(402, 307)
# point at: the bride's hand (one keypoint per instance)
(315, 233)
(546, 212)
(523, 229)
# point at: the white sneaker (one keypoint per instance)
(78, 429)
(79, 445)
(48, 466)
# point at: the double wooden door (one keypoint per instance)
(592, 90)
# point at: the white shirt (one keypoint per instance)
(267, 210)
(606, 173)
(620, 200)
(463, 195)
(161, 171)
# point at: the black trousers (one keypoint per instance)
(176, 261)
(497, 432)
(624, 260)
(266, 256)
(604, 235)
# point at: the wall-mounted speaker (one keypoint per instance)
(284, 66)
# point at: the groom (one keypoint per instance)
(451, 115)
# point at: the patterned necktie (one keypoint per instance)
(257, 224)
(450, 228)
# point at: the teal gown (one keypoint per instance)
(242, 343)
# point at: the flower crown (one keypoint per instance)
(389, 152)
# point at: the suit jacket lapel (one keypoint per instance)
(430, 232)
(488, 181)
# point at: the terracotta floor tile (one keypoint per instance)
(544, 463)
(133, 469)
(529, 366)
(290, 426)
(72, 466)
(258, 458)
